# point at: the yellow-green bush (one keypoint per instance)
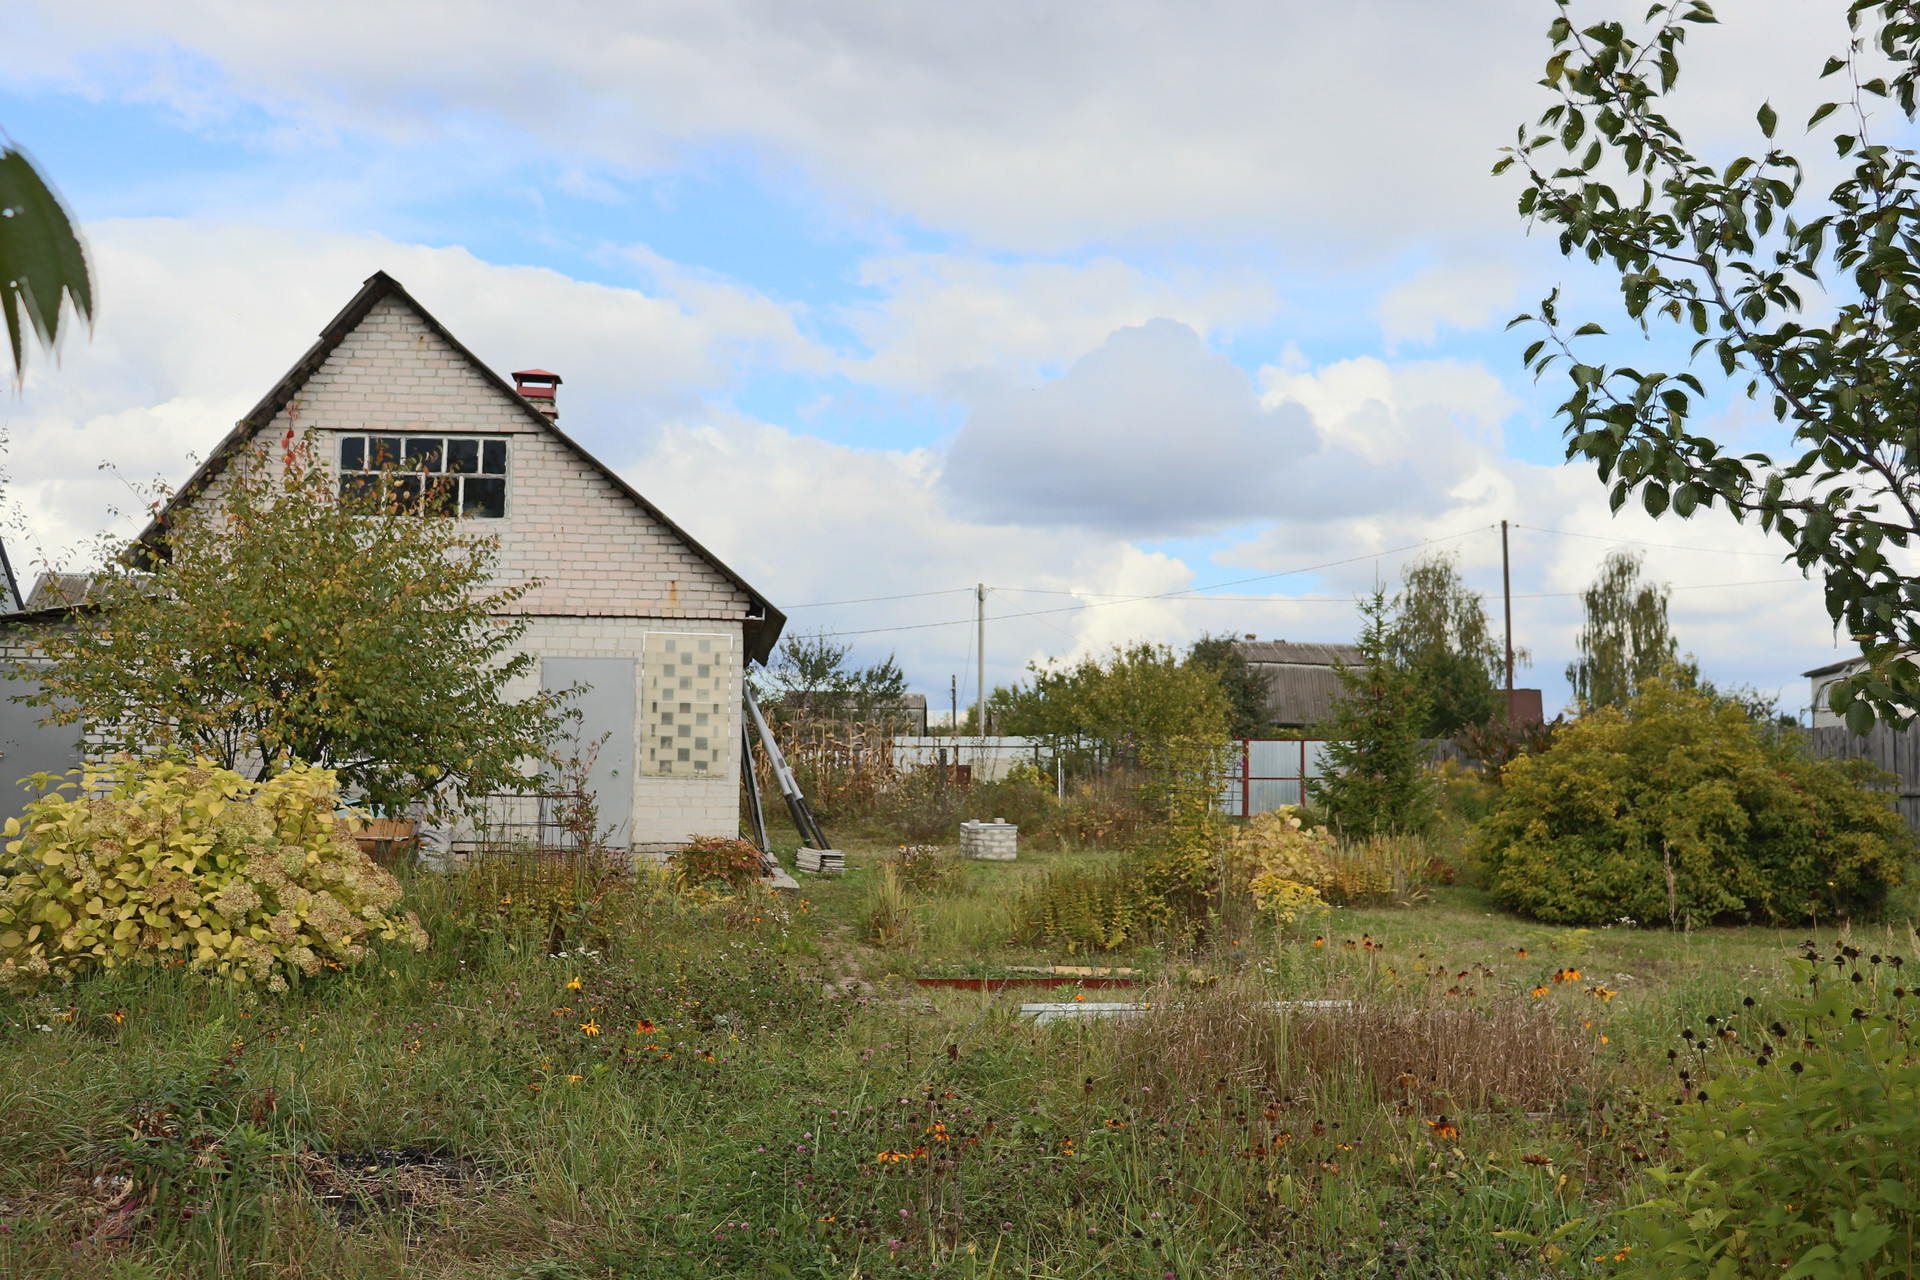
(1287, 900)
(167, 862)
(1092, 908)
(1680, 807)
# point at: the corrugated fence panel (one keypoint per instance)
(1892, 751)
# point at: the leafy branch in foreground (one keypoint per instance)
(1722, 252)
(42, 263)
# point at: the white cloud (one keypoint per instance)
(1361, 125)
(944, 317)
(1461, 295)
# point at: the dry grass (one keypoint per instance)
(1376, 1047)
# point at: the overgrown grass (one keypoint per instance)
(747, 1087)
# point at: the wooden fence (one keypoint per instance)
(1894, 751)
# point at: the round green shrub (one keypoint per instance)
(177, 862)
(1679, 807)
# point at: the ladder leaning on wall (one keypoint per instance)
(803, 820)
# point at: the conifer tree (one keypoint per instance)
(1376, 762)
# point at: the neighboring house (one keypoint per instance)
(1301, 685)
(655, 625)
(1820, 679)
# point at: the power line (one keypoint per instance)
(1164, 595)
(1642, 542)
(1103, 600)
(915, 595)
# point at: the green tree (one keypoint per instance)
(43, 265)
(1625, 640)
(1246, 688)
(811, 679)
(1135, 695)
(277, 624)
(1439, 633)
(1376, 778)
(1725, 249)
(1681, 805)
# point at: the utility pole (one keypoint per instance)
(1506, 591)
(980, 602)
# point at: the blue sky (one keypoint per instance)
(889, 300)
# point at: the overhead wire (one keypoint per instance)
(1201, 593)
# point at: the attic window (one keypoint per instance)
(442, 475)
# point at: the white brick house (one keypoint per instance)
(627, 603)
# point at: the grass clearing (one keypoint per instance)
(669, 1085)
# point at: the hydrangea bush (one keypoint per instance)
(176, 862)
(1279, 846)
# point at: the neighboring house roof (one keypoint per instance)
(59, 591)
(1290, 653)
(1834, 668)
(762, 632)
(1301, 684)
(1300, 696)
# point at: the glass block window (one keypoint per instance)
(440, 475)
(687, 692)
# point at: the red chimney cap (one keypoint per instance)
(537, 375)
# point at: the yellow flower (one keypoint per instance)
(574, 983)
(591, 1027)
(1538, 992)
(573, 1079)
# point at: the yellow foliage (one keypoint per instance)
(1287, 899)
(1279, 845)
(170, 862)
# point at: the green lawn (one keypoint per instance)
(747, 1088)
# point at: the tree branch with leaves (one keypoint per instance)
(1728, 252)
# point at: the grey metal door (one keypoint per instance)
(607, 708)
(27, 747)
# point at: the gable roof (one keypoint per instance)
(761, 632)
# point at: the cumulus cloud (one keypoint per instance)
(1155, 434)
(943, 319)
